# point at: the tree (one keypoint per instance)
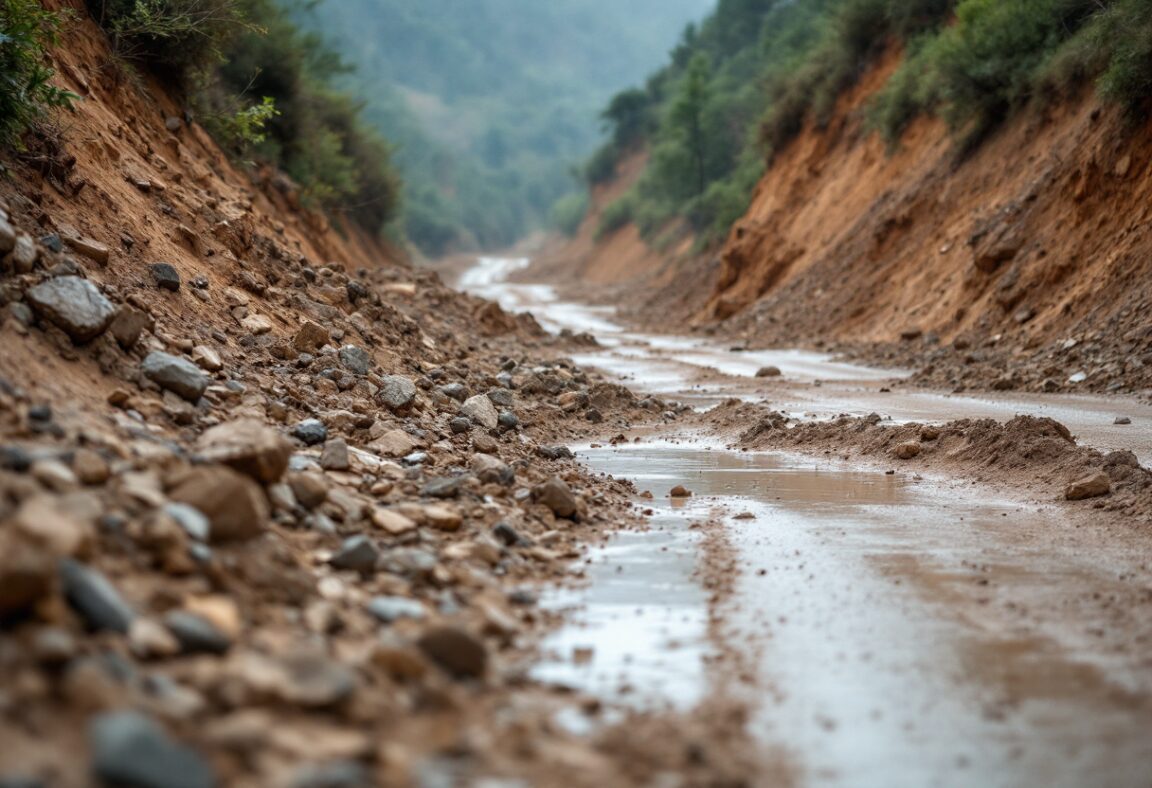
(687, 114)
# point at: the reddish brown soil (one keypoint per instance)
(1014, 268)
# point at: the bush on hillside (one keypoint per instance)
(27, 30)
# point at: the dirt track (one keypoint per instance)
(946, 619)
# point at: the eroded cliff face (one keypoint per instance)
(1039, 234)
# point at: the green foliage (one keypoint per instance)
(490, 103)
(26, 91)
(244, 128)
(568, 212)
(173, 37)
(616, 215)
(1000, 54)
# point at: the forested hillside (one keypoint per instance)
(492, 103)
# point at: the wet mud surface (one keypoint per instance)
(881, 628)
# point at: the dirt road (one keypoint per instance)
(885, 628)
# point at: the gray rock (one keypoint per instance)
(481, 411)
(53, 242)
(73, 305)
(165, 276)
(460, 425)
(25, 254)
(130, 749)
(196, 635)
(557, 496)
(555, 452)
(397, 393)
(457, 651)
(502, 397)
(456, 391)
(175, 374)
(1122, 420)
(191, 519)
(335, 455)
(507, 535)
(491, 470)
(507, 420)
(334, 774)
(355, 360)
(94, 598)
(393, 608)
(357, 554)
(310, 432)
(448, 487)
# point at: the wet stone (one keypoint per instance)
(195, 634)
(74, 305)
(557, 496)
(128, 748)
(94, 598)
(310, 432)
(393, 608)
(355, 360)
(175, 374)
(357, 554)
(165, 276)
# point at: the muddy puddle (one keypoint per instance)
(884, 617)
(885, 630)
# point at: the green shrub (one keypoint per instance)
(615, 216)
(174, 37)
(569, 211)
(1126, 30)
(26, 91)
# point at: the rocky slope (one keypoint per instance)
(1024, 265)
(274, 507)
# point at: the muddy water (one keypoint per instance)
(890, 631)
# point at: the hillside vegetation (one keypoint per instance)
(744, 83)
(493, 103)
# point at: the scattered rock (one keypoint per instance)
(233, 503)
(309, 489)
(481, 411)
(335, 457)
(175, 374)
(395, 443)
(397, 393)
(128, 326)
(207, 359)
(456, 391)
(393, 608)
(457, 651)
(907, 450)
(310, 338)
(680, 491)
(768, 372)
(1091, 486)
(310, 432)
(557, 496)
(165, 276)
(130, 749)
(73, 305)
(1122, 420)
(94, 598)
(507, 420)
(357, 554)
(93, 250)
(355, 360)
(27, 572)
(248, 446)
(491, 470)
(196, 634)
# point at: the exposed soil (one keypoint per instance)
(1023, 266)
(287, 498)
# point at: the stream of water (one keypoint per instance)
(902, 632)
